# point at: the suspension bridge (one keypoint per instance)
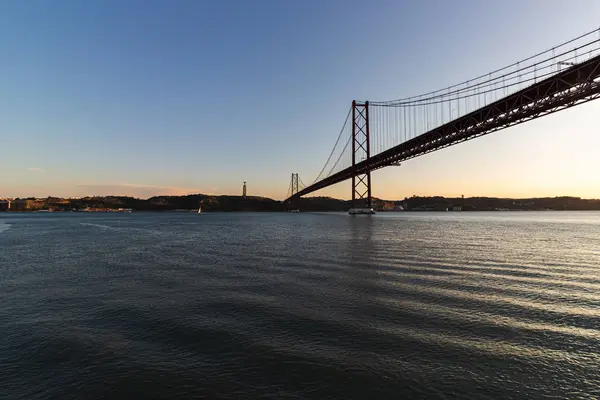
(378, 134)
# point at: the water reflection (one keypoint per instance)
(361, 245)
(363, 270)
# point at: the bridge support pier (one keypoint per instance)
(361, 151)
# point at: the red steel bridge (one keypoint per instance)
(377, 134)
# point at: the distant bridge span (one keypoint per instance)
(549, 87)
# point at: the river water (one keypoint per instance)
(300, 306)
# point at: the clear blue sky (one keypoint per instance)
(160, 97)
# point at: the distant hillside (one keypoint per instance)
(254, 203)
(491, 203)
(189, 202)
(321, 204)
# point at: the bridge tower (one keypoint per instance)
(295, 188)
(244, 190)
(361, 151)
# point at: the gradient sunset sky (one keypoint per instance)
(145, 97)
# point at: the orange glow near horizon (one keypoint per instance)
(550, 157)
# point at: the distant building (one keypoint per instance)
(388, 206)
(30, 204)
(4, 205)
(18, 205)
(381, 205)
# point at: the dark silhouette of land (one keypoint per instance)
(254, 203)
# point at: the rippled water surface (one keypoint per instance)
(300, 306)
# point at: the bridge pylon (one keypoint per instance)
(295, 188)
(361, 151)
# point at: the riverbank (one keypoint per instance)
(191, 203)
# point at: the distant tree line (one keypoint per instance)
(491, 203)
(254, 203)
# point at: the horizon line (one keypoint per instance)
(305, 197)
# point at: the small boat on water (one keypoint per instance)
(294, 210)
(200, 210)
(361, 211)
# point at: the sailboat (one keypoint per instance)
(200, 210)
